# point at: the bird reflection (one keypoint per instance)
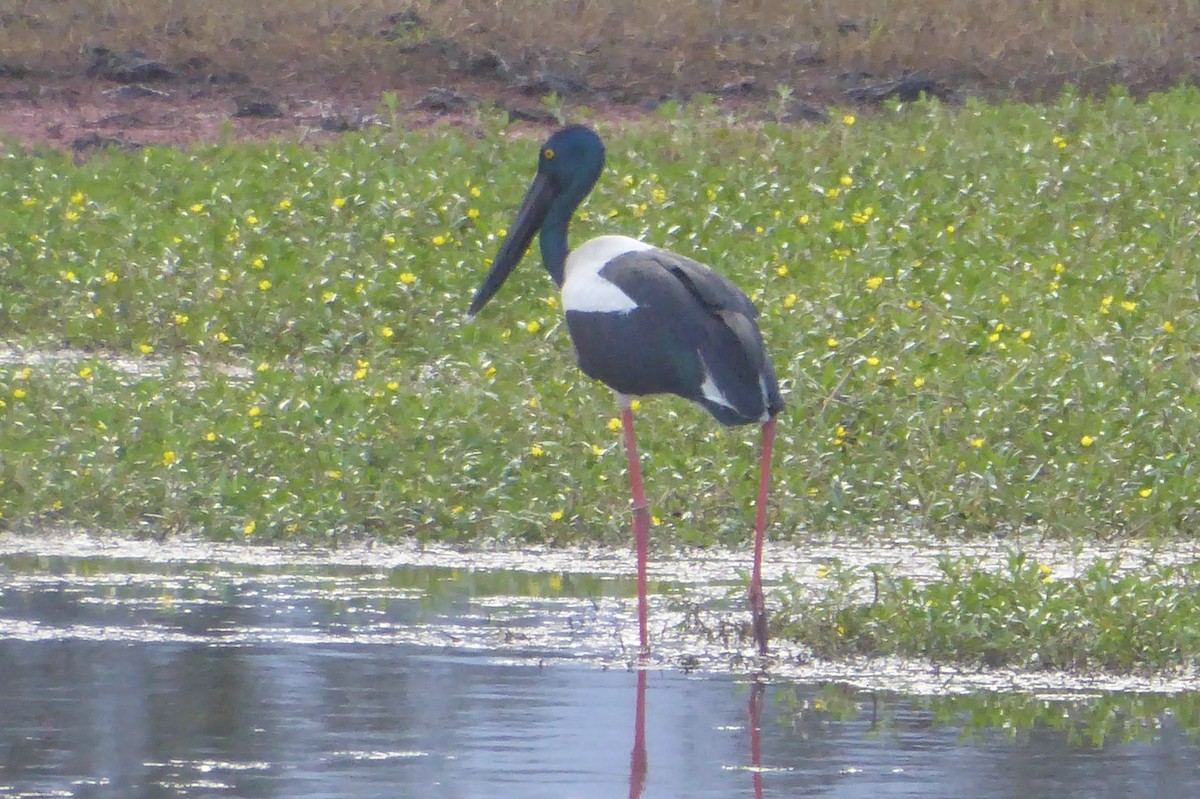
(757, 689)
(639, 763)
(637, 758)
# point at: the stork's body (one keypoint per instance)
(645, 321)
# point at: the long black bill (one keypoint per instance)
(529, 220)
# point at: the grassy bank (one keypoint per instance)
(983, 318)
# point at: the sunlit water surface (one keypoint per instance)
(182, 670)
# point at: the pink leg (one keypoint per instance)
(758, 608)
(641, 518)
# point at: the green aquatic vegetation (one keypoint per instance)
(1088, 720)
(983, 318)
(1106, 617)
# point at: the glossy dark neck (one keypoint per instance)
(553, 236)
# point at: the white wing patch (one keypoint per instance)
(709, 389)
(583, 287)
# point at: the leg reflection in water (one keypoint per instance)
(639, 763)
(757, 689)
(637, 758)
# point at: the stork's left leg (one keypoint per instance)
(758, 608)
(641, 515)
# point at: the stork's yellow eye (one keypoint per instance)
(548, 153)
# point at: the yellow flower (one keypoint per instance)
(1046, 572)
(249, 527)
(822, 572)
(532, 402)
(658, 195)
(257, 263)
(285, 204)
(533, 326)
(264, 284)
(781, 270)
(832, 192)
(614, 424)
(386, 331)
(111, 277)
(197, 207)
(831, 342)
(475, 192)
(71, 216)
(848, 120)
(85, 372)
(1086, 441)
(1004, 300)
(168, 457)
(490, 371)
(846, 181)
(251, 219)
(1106, 300)
(1025, 335)
(339, 202)
(556, 516)
(145, 349)
(1128, 305)
(803, 219)
(914, 305)
(181, 319)
(439, 240)
(393, 385)
(1145, 492)
(789, 301)
(635, 405)
(874, 282)
(950, 228)
(977, 442)
(361, 371)
(472, 213)
(333, 474)
(872, 361)
(254, 411)
(18, 393)
(918, 382)
(210, 436)
(536, 451)
(1168, 326)
(328, 296)
(596, 450)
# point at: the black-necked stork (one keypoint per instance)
(645, 321)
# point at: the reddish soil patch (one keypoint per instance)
(66, 112)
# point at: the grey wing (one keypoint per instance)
(716, 291)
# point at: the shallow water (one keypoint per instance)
(191, 670)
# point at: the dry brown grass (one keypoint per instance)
(651, 48)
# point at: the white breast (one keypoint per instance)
(583, 287)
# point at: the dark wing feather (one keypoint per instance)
(733, 340)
